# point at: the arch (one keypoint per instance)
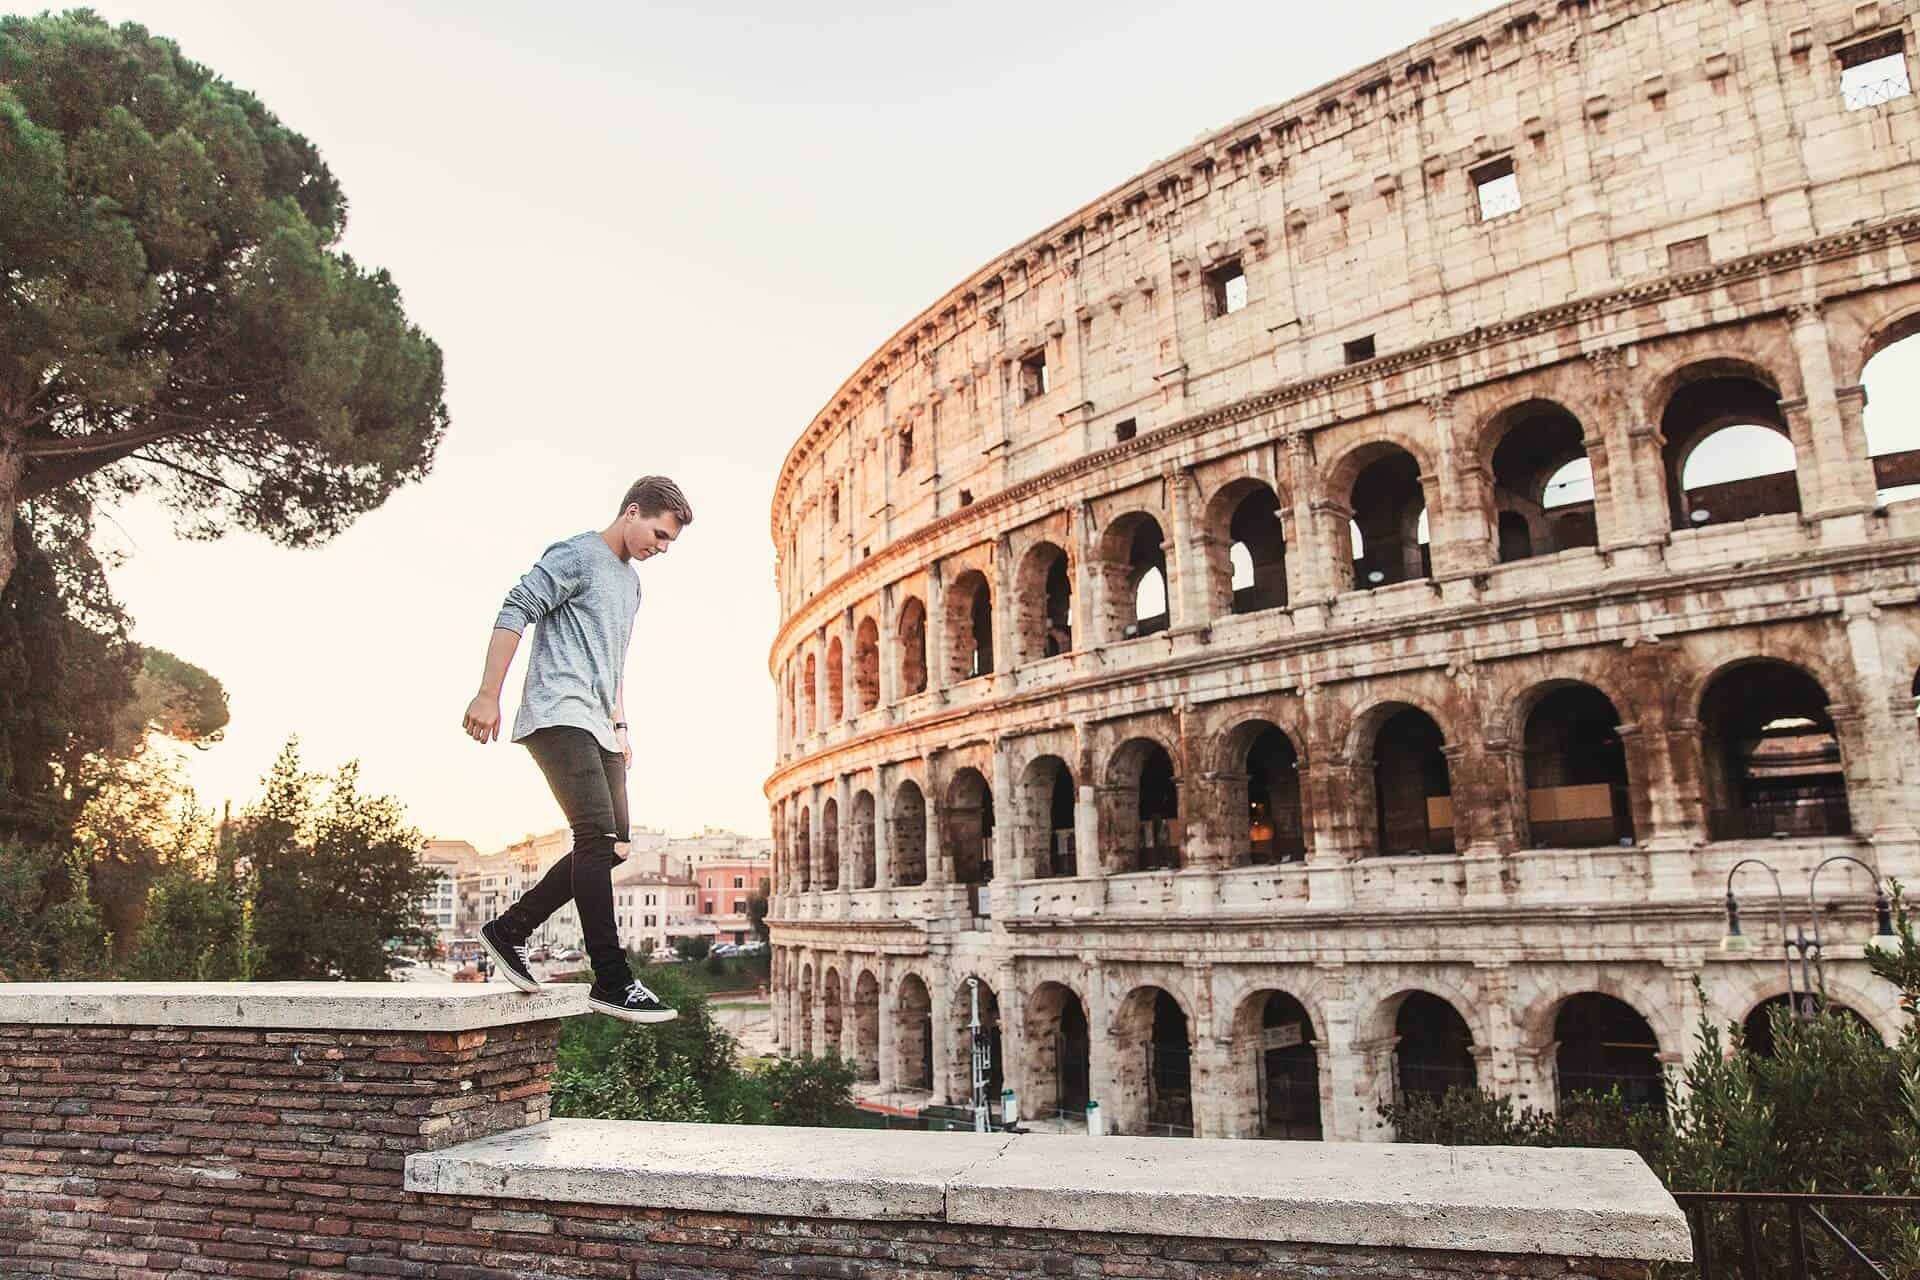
(1043, 604)
(803, 848)
(1140, 808)
(969, 827)
(1433, 1047)
(1529, 447)
(907, 836)
(1276, 1050)
(1757, 1027)
(969, 627)
(1246, 550)
(1706, 400)
(989, 1043)
(863, 872)
(1058, 1075)
(912, 631)
(1600, 1043)
(866, 1025)
(1412, 807)
(1263, 783)
(866, 665)
(1153, 1053)
(1388, 502)
(1132, 553)
(1577, 792)
(836, 682)
(830, 845)
(913, 1033)
(1892, 444)
(1770, 754)
(1045, 806)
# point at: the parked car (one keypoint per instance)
(725, 949)
(567, 955)
(540, 953)
(753, 948)
(401, 962)
(663, 955)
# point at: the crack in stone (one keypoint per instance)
(946, 1187)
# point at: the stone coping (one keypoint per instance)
(287, 1006)
(1561, 1201)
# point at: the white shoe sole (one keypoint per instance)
(506, 970)
(631, 1015)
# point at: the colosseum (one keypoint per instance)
(1325, 620)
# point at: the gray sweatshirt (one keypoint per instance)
(583, 597)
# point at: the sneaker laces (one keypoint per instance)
(639, 988)
(520, 953)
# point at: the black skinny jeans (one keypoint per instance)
(591, 786)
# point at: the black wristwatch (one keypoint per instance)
(619, 724)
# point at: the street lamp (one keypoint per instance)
(1807, 947)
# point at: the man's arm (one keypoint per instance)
(482, 721)
(621, 736)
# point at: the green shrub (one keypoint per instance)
(810, 1091)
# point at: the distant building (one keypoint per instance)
(725, 887)
(447, 859)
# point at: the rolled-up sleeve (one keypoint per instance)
(553, 578)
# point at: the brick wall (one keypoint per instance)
(153, 1151)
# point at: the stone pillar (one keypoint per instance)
(1005, 817)
(1187, 593)
(1005, 652)
(889, 1013)
(1341, 1073)
(822, 708)
(1459, 501)
(1309, 589)
(1102, 1082)
(942, 1014)
(883, 876)
(889, 648)
(1879, 780)
(816, 839)
(1499, 1071)
(1635, 511)
(1840, 481)
(843, 842)
(939, 861)
(936, 629)
(1013, 1038)
(1084, 579)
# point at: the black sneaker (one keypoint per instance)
(634, 1002)
(511, 957)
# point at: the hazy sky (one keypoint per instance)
(649, 238)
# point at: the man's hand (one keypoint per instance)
(626, 747)
(482, 721)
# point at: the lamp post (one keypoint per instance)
(1808, 948)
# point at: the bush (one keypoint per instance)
(198, 928)
(695, 948)
(1831, 1110)
(54, 930)
(810, 1091)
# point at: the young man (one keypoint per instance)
(583, 595)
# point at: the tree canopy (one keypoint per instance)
(175, 313)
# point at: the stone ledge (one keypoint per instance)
(1568, 1202)
(287, 1006)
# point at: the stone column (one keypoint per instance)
(939, 861)
(1840, 481)
(1005, 819)
(889, 650)
(1102, 1083)
(1005, 652)
(883, 876)
(843, 843)
(1187, 592)
(1879, 786)
(889, 1013)
(1634, 512)
(816, 838)
(1459, 500)
(942, 1015)
(1499, 1071)
(1308, 586)
(936, 629)
(1013, 1037)
(1341, 1074)
(1084, 579)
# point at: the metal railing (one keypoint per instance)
(1765, 1235)
(1799, 816)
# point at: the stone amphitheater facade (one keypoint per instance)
(1265, 629)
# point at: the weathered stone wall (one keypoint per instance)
(1706, 235)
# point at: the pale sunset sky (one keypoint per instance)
(648, 238)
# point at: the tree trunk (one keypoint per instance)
(13, 467)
